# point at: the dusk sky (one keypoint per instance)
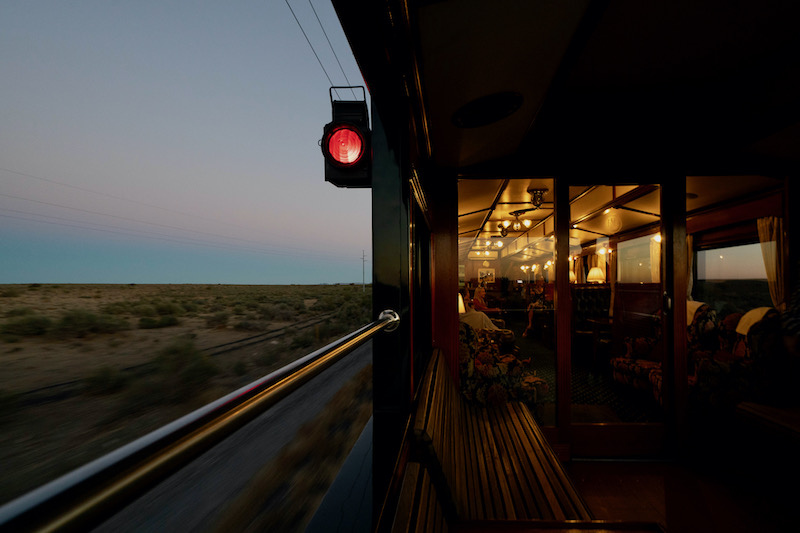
(173, 142)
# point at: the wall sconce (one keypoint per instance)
(596, 275)
(461, 308)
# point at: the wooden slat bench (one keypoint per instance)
(418, 508)
(489, 463)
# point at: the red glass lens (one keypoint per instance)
(345, 145)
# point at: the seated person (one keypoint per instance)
(479, 302)
(474, 318)
(536, 300)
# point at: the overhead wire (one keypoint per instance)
(332, 50)
(314, 51)
(312, 46)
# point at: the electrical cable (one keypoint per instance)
(332, 50)
(312, 46)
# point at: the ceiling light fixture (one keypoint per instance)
(537, 196)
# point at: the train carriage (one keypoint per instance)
(604, 154)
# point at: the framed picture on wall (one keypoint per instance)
(486, 275)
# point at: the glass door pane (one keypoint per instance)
(615, 276)
(507, 273)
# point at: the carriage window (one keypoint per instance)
(639, 260)
(734, 262)
(733, 278)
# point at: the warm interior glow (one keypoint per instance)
(506, 223)
(527, 223)
(572, 277)
(461, 308)
(657, 237)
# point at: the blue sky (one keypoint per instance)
(173, 142)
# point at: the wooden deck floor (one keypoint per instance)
(686, 499)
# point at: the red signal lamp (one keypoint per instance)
(346, 143)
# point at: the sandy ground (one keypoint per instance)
(33, 362)
(41, 442)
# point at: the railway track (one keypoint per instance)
(67, 389)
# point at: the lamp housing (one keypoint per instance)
(347, 143)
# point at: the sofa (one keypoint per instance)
(730, 359)
(491, 371)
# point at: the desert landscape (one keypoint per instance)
(87, 368)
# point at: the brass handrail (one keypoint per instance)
(87, 496)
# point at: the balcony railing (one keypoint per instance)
(87, 496)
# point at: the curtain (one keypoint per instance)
(612, 280)
(655, 261)
(770, 234)
(601, 262)
(689, 267)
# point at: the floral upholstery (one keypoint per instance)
(702, 335)
(491, 374)
(725, 367)
(640, 367)
(642, 356)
